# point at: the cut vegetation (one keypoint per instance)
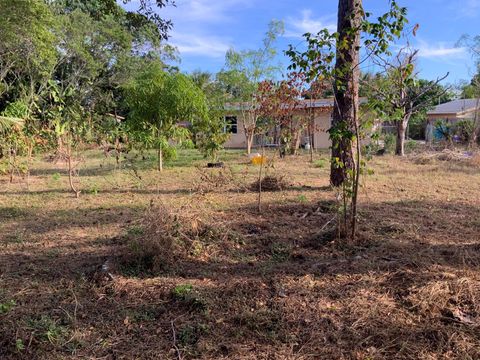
(203, 275)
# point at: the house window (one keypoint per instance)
(231, 124)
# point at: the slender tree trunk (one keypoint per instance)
(295, 141)
(476, 126)
(345, 89)
(259, 200)
(250, 135)
(311, 132)
(12, 161)
(160, 158)
(29, 163)
(71, 171)
(401, 134)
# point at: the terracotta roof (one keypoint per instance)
(455, 107)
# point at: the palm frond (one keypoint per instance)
(6, 122)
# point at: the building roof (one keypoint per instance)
(455, 107)
(303, 104)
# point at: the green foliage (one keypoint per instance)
(302, 198)
(280, 252)
(7, 306)
(49, 329)
(444, 130)
(159, 101)
(188, 296)
(417, 126)
(389, 143)
(182, 291)
(464, 130)
(320, 163)
(256, 64)
(208, 132)
(190, 335)
(17, 109)
(411, 146)
(19, 345)
(28, 42)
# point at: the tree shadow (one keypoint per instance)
(283, 289)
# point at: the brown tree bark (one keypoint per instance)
(160, 158)
(401, 134)
(249, 136)
(346, 87)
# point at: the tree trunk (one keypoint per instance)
(401, 132)
(345, 90)
(160, 158)
(295, 141)
(311, 133)
(71, 172)
(250, 136)
(29, 162)
(476, 126)
(12, 164)
(117, 150)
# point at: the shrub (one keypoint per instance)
(163, 238)
(389, 143)
(411, 146)
(443, 130)
(189, 297)
(464, 130)
(271, 183)
(320, 163)
(416, 128)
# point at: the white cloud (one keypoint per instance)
(441, 51)
(297, 26)
(203, 45)
(195, 30)
(205, 11)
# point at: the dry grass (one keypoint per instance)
(203, 275)
(271, 183)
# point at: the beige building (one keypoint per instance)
(321, 108)
(453, 111)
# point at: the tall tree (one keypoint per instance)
(473, 89)
(350, 14)
(208, 132)
(159, 101)
(245, 70)
(343, 48)
(280, 103)
(399, 95)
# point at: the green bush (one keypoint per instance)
(464, 130)
(389, 143)
(416, 128)
(320, 163)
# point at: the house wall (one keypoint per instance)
(432, 118)
(321, 137)
(238, 140)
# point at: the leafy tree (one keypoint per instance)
(208, 132)
(400, 95)
(27, 41)
(336, 57)
(244, 71)
(472, 91)
(281, 103)
(159, 101)
(12, 138)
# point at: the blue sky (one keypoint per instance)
(205, 29)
